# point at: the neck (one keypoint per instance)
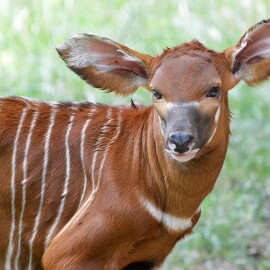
(183, 186)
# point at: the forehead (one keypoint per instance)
(185, 77)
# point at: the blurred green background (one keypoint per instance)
(234, 230)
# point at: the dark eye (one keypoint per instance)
(156, 94)
(213, 92)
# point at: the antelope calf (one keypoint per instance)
(90, 186)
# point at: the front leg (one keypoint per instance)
(93, 242)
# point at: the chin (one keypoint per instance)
(183, 157)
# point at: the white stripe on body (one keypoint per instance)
(43, 186)
(95, 186)
(13, 190)
(65, 191)
(83, 134)
(118, 130)
(24, 181)
(80, 212)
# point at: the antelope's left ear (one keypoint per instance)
(250, 58)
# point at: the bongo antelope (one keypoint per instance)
(90, 186)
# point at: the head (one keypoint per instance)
(189, 82)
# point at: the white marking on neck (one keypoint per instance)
(89, 200)
(172, 223)
(83, 134)
(13, 192)
(24, 181)
(65, 191)
(43, 186)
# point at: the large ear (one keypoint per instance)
(106, 64)
(250, 58)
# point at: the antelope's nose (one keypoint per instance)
(179, 141)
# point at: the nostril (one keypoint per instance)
(181, 140)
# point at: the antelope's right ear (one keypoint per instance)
(106, 64)
(250, 58)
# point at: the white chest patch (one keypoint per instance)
(172, 223)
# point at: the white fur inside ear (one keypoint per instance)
(128, 57)
(78, 56)
(236, 52)
(137, 81)
(241, 47)
(81, 55)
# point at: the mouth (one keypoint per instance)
(183, 157)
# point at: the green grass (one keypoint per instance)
(234, 230)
